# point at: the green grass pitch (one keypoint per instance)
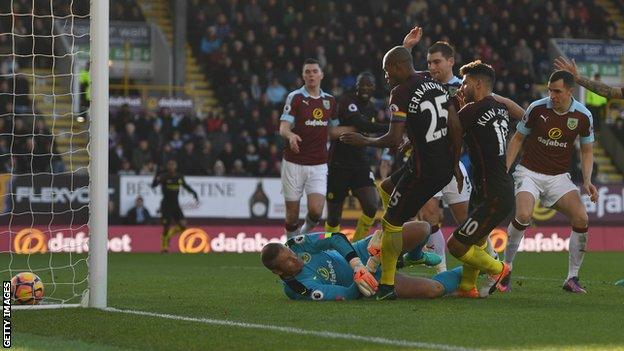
(538, 314)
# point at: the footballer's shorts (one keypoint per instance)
(548, 189)
(485, 214)
(411, 192)
(298, 178)
(170, 214)
(340, 180)
(449, 194)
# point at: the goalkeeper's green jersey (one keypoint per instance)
(326, 274)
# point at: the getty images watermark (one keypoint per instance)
(6, 314)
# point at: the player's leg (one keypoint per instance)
(459, 203)
(409, 195)
(166, 219)
(468, 241)
(415, 235)
(293, 180)
(179, 222)
(177, 225)
(528, 189)
(459, 210)
(572, 207)
(363, 185)
(164, 237)
(439, 285)
(316, 202)
(181, 226)
(334, 215)
(525, 201)
(430, 213)
(315, 189)
(408, 287)
(336, 193)
(291, 220)
(392, 243)
(386, 187)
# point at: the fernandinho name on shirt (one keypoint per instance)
(418, 94)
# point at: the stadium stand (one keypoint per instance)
(279, 35)
(253, 51)
(31, 128)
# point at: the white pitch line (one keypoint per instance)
(299, 331)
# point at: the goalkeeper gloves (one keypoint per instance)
(366, 283)
(374, 249)
(374, 245)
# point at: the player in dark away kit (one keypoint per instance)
(421, 107)
(485, 123)
(170, 210)
(349, 166)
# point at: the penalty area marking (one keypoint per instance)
(292, 330)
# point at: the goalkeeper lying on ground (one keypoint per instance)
(325, 266)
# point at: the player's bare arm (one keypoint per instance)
(515, 111)
(412, 38)
(391, 139)
(335, 132)
(455, 133)
(292, 138)
(597, 87)
(513, 148)
(587, 163)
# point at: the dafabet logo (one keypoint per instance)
(29, 241)
(194, 240)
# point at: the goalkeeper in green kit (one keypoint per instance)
(327, 267)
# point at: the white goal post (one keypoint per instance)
(98, 149)
(44, 186)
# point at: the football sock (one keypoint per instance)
(308, 225)
(164, 242)
(515, 232)
(391, 246)
(438, 244)
(330, 229)
(578, 243)
(490, 249)
(478, 258)
(165, 236)
(449, 279)
(416, 253)
(469, 276)
(291, 230)
(364, 224)
(385, 197)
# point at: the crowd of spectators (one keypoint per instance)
(140, 141)
(253, 50)
(26, 41)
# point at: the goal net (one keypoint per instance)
(47, 152)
